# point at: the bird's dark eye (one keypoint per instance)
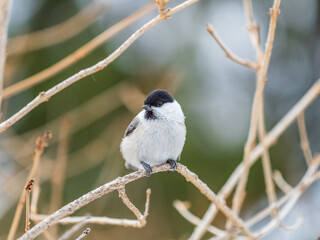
(159, 104)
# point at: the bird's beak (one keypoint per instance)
(147, 108)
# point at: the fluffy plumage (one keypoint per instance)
(156, 135)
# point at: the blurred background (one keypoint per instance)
(180, 56)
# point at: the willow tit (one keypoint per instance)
(156, 135)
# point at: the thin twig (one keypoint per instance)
(119, 183)
(45, 96)
(305, 145)
(91, 220)
(35, 198)
(161, 6)
(58, 33)
(68, 234)
(77, 55)
(228, 52)
(253, 29)
(41, 143)
(183, 210)
(261, 76)
(58, 174)
(141, 218)
(266, 162)
(281, 183)
(84, 234)
(28, 190)
(5, 6)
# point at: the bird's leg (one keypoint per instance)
(147, 167)
(172, 163)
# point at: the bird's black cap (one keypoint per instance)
(158, 97)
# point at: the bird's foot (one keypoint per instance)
(172, 163)
(147, 167)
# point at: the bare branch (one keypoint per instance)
(281, 183)
(266, 162)
(77, 55)
(287, 200)
(302, 186)
(183, 210)
(305, 145)
(28, 190)
(91, 220)
(161, 6)
(238, 198)
(228, 52)
(141, 218)
(269, 140)
(41, 143)
(122, 181)
(253, 28)
(58, 33)
(5, 6)
(68, 234)
(45, 96)
(59, 170)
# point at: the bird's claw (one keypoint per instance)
(172, 163)
(147, 167)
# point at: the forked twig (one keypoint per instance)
(141, 218)
(228, 52)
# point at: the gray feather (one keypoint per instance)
(132, 126)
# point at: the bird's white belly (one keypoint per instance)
(154, 144)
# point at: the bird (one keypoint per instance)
(156, 135)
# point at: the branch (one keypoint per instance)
(5, 6)
(238, 198)
(183, 210)
(68, 234)
(287, 201)
(269, 140)
(28, 190)
(141, 218)
(77, 55)
(45, 96)
(58, 33)
(119, 183)
(266, 162)
(281, 183)
(59, 169)
(305, 145)
(253, 28)
(41, 143)
(228, 52)
(302, 186)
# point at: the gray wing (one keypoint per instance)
(132, 126)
